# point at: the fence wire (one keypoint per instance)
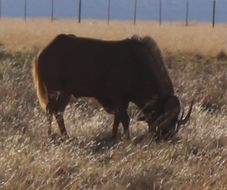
(159, 10)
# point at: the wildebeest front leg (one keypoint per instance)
(125, 122)
(61, 124)
(115, 125)
(124, 119)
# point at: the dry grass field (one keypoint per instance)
(196, 159)
(198, 38)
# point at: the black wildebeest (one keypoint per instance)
(113, 72)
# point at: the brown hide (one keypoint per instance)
(113, 72)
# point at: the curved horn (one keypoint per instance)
(182, 121)
(182, 115)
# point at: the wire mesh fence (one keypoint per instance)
(159, 10)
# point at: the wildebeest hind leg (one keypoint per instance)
(61, 124)
(49, 120)
(57, 106)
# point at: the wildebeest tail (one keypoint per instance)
(40, 87)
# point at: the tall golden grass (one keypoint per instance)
(199, 38)
(89, 159)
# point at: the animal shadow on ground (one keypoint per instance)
(104, 142)
(99, 144)
(96, 144)
(57, 139)
(150, 138)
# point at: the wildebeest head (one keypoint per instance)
(163, 118)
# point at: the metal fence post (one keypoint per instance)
(0, 9)
(52, 10)
(160, 12)
(79, 17)
(135, 11)
(108, 12)
(25, 10)
(214, 11)
(187, 12)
